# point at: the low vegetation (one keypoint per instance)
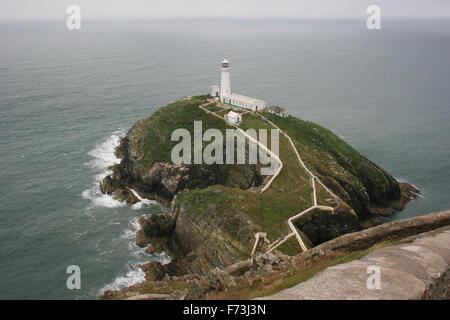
(354, 178)
(284, 279)
(215, 221)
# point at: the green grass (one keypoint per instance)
(323, 197)
(337, 164)
(289, 194)
(223, 112)
(200, 201)
(213, 107)
(153, 135)
(290, 247)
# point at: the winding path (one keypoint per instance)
(294, 232)
(314, 206)
(280, 163)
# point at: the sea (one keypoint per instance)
(67, 97)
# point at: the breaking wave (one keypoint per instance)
(142, 201)
(133, 274)
(103, 158)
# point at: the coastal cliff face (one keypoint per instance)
(362, 184)
(215, 210)
(146, 165)
(198, 241)
(413, 256)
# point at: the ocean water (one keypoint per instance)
(66, 97)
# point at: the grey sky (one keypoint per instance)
(126, 9)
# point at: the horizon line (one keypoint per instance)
(156, 18)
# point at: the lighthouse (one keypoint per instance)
(225, 79)
(223, 92)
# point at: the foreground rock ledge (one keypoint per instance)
(413, 271)
(412, 254)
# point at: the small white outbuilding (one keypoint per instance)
(233, 117)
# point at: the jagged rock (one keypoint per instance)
(317, 254)
(391, 231)
(155, 247)
(158, 225)
(266, 263)
(266, 259)
(162, 180)
(409, 232)
(152, 228)
(216, 280)
(239, 268)
(154, 296)
(113, 186)
(141, 239)
(320, 225)
(154, 271)
(201, 234)
(417, 270)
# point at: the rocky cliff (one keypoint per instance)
(412, 254)
(362, 184)
(416, 269)
(215, 210)
(146, 166)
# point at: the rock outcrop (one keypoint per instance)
(366, 187)
(198, 243)
(387, 232)
(419, 270)
(413, 256)
(215, 210)
(146, 164)
(320, 225)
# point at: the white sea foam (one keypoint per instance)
(104, 157)
(142, 201)
(162, 258)
(133, 275)
(103, 153)
(130, 232)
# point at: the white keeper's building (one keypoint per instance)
(233, 117)
(223, 92)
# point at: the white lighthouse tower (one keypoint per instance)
(225, 79)
(223, 92)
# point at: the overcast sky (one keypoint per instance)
(128, 9)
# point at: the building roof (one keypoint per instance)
(235, 96)
(233, 114)
(278, 109)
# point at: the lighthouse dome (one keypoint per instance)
(225, 63)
